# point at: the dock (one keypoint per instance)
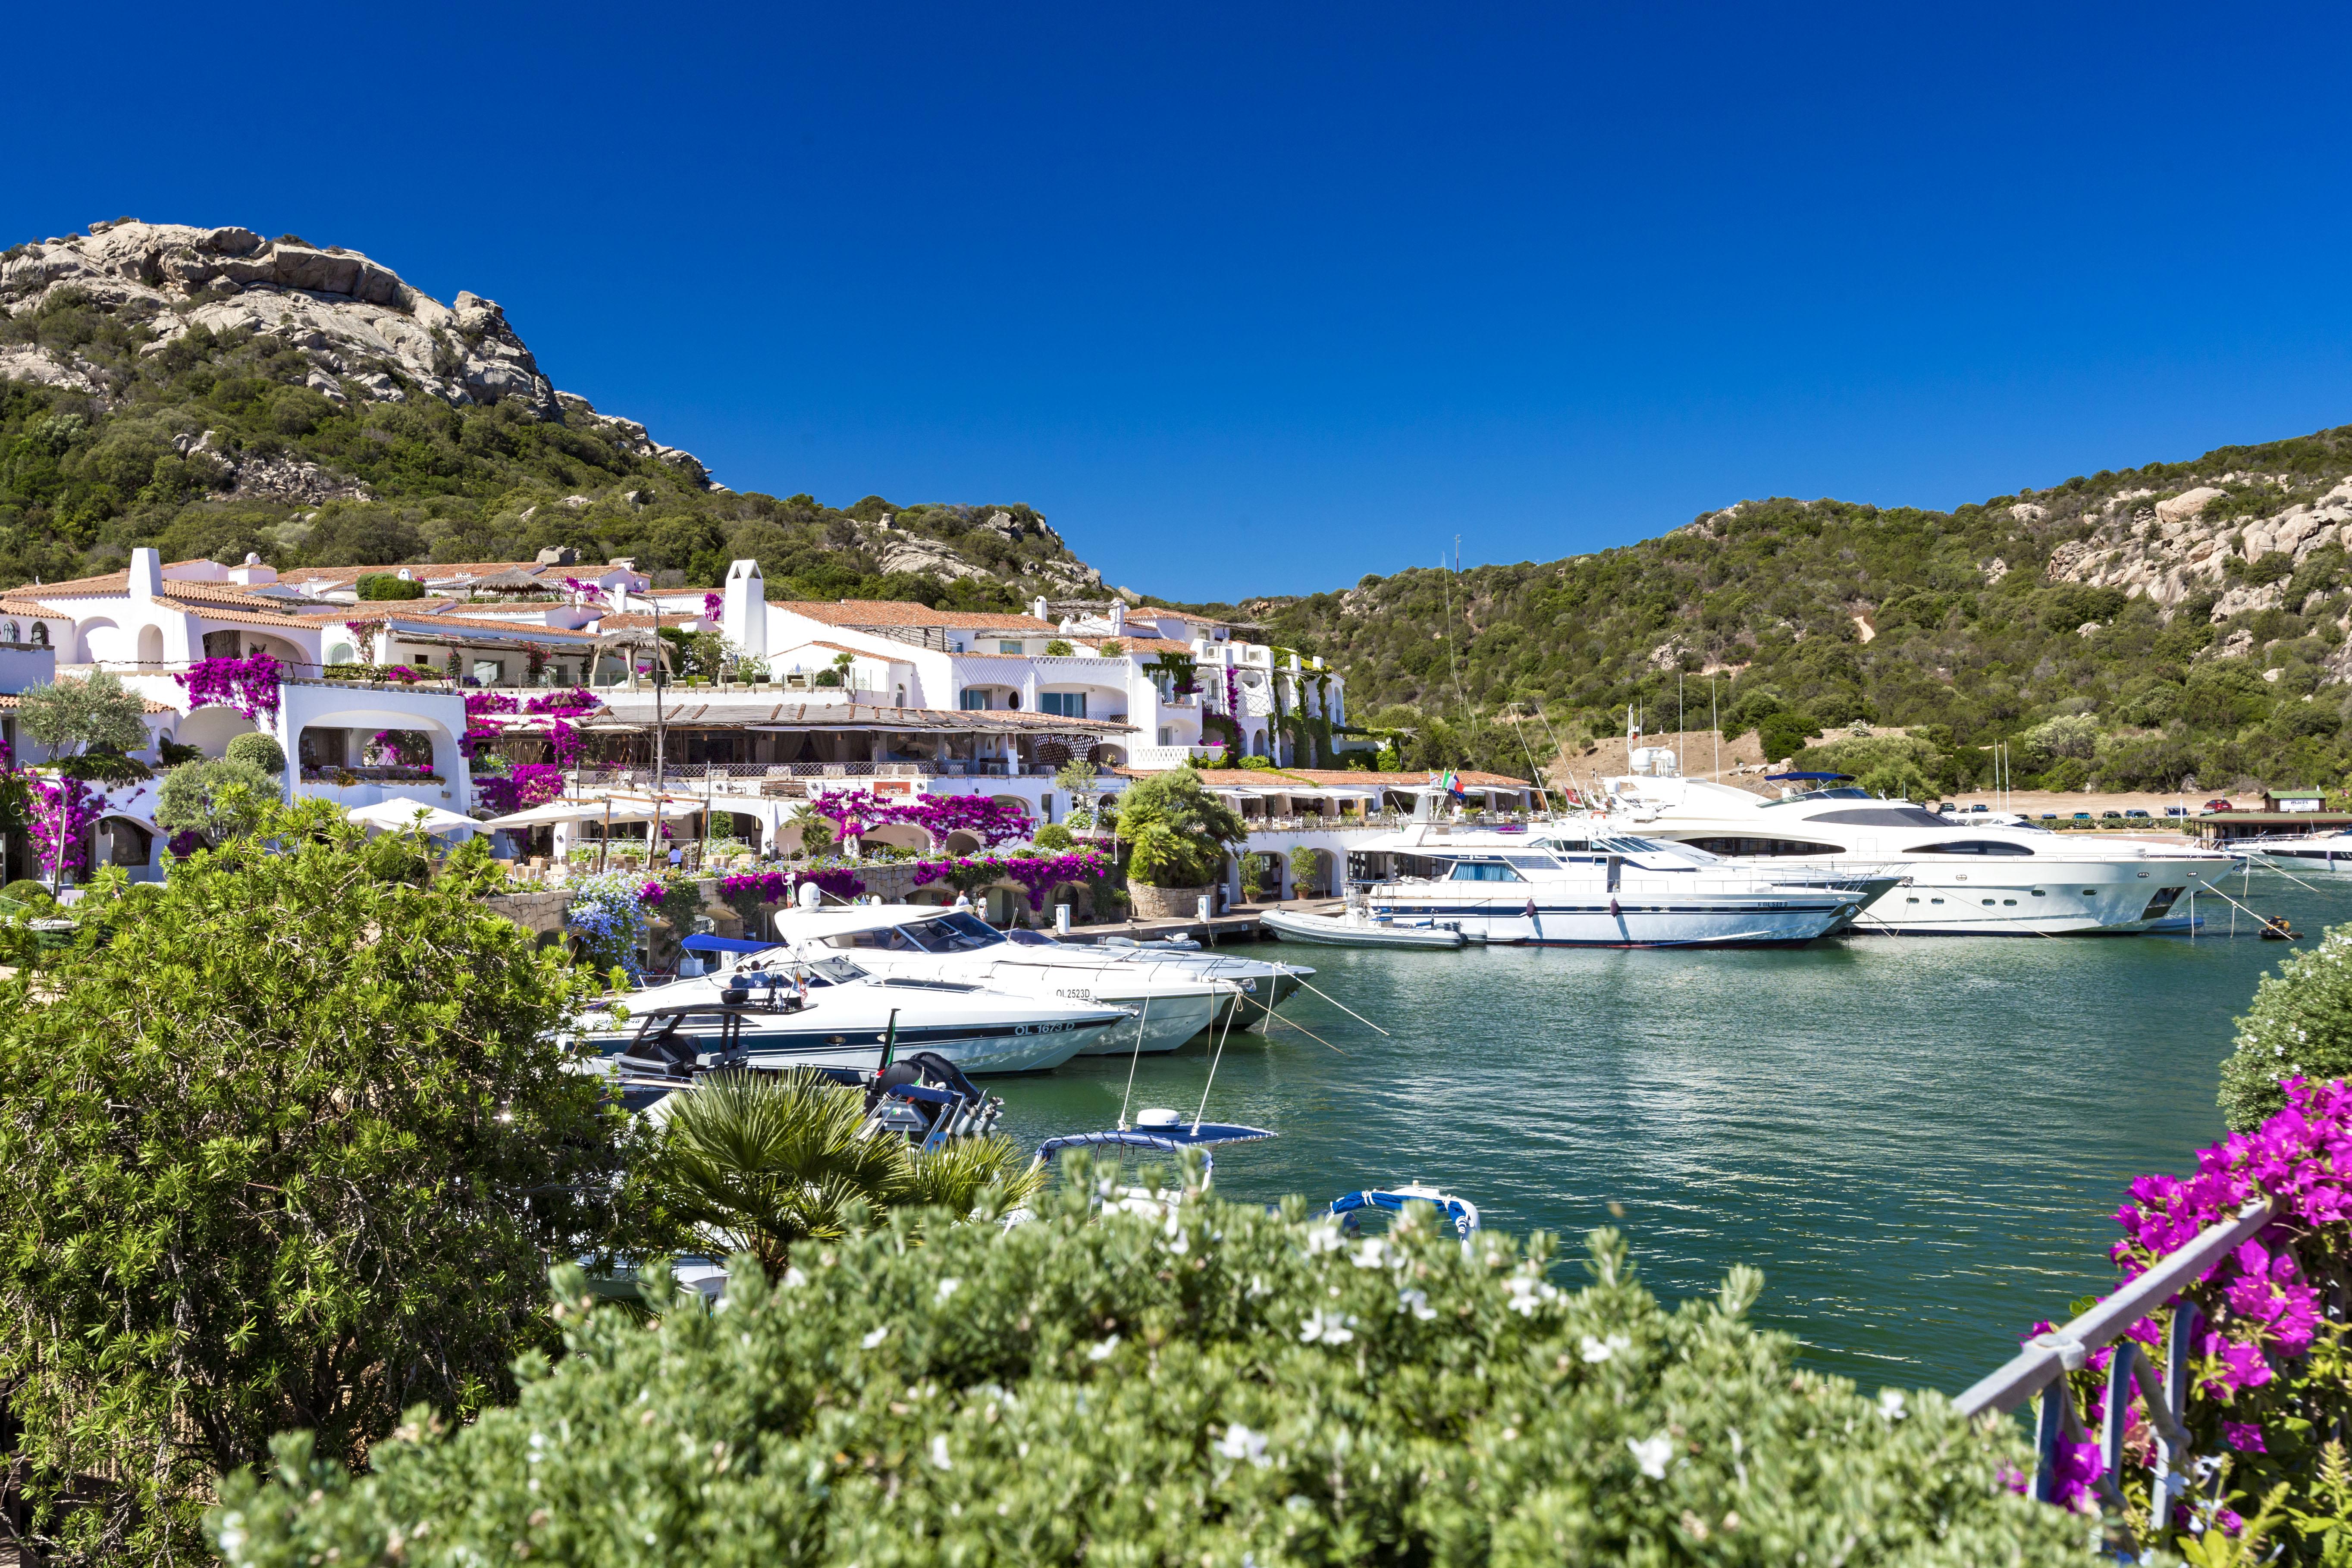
(1239, 923)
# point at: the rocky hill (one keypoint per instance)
(213, 393)
(2154, 629)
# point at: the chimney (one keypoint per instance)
(146, 576)
(746, 609)
(1037, 608)
(1118, 617)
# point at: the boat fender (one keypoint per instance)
(1612, 908)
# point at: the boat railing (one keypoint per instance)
(2041, 1368)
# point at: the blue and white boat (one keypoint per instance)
(1574, 883)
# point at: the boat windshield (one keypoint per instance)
(954, 932)
(1843, 792)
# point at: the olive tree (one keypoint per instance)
(74, 718)
(283, 1143)
(1210, 1384)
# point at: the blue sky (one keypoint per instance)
(1260, 299)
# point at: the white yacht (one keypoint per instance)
(2326, 850)
(1265, 986)
(1573, 883)
(1162, 1005)
(1958, 876)
(829, 1011)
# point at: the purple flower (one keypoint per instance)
(2243, 1435)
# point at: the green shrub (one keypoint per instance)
(1057, 648)
(292, 1158)
(259, 750)
(25, 891)
(1220, 1387)
(1784, 734)
(2300, 1025)
(1053, 835)
(390, 586)
(218, 799)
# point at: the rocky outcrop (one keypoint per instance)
(2170, 548)
(268, 479)
(365, 333)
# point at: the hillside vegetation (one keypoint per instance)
(2177, 626)
(211, 394)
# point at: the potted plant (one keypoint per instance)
(1176, 834)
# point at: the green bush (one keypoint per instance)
(1057, 648)
(1053, 835)
(2300, 1025)
(258, 751)
(291, 1159)
(1784, 734)
(218, 799)
(390, 586)
(1223, 1387)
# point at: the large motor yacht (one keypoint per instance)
(1165, 1003)
(1573, 883)
(1958, 878)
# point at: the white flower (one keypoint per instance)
(794, 1278)
(939, 1452)
(1597, 1351)
(1241, 1443)
(1526, 1293)
(1890, 1404)
(1417, 1303)
(1102, 1351)
(947, 1288)
(1323, 1239)
(876, 1337)
(1368, 1254)
(1652, 1454)
(1331, 1330)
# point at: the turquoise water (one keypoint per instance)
(1920, 1142)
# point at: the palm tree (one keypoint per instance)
(759, 1163)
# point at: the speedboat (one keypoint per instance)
(829, 1011)
(1572, 884)
(1264, 985)
(1162, 1006)
(1972, 877)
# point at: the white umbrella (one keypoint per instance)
(405, 813)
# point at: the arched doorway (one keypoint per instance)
(151, 645)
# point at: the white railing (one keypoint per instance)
(2042, 1365)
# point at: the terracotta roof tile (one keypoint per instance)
(855, 613)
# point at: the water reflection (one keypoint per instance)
(1919, 1141)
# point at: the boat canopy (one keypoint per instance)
(1164, 1135)
(703, 943)
(1784, 778)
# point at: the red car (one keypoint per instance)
(2217, 805)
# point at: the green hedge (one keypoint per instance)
(1228, 1387)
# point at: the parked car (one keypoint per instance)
(2049, 817)
(2217, 805)
(2111, 816)
(1980, 806)
(2134, 811)
(1947, 808)
(2082, 816)
(2176, 811)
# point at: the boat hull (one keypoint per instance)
(1330, 931)
(2038, 897)
(1633, 919)
(980, 1049)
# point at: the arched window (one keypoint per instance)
(10, 632)
(40, 634)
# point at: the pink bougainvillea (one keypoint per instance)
(248, 685)
(526, 785)
(2260, 1310)
(63, 811)
(992, 822)
(714, 607)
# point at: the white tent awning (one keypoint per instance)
(623, 808)
(407, 814)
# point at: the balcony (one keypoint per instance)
(1153, 758)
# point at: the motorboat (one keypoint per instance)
(827, 1010)
(1958, 878)
(1349, 1208)
(1265, 986)
(1573, 883)
(2326, 850)
(1162, 1005)
(1355, 927)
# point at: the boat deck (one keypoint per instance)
(1238, 923)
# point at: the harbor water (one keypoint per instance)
(1921, 1142)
